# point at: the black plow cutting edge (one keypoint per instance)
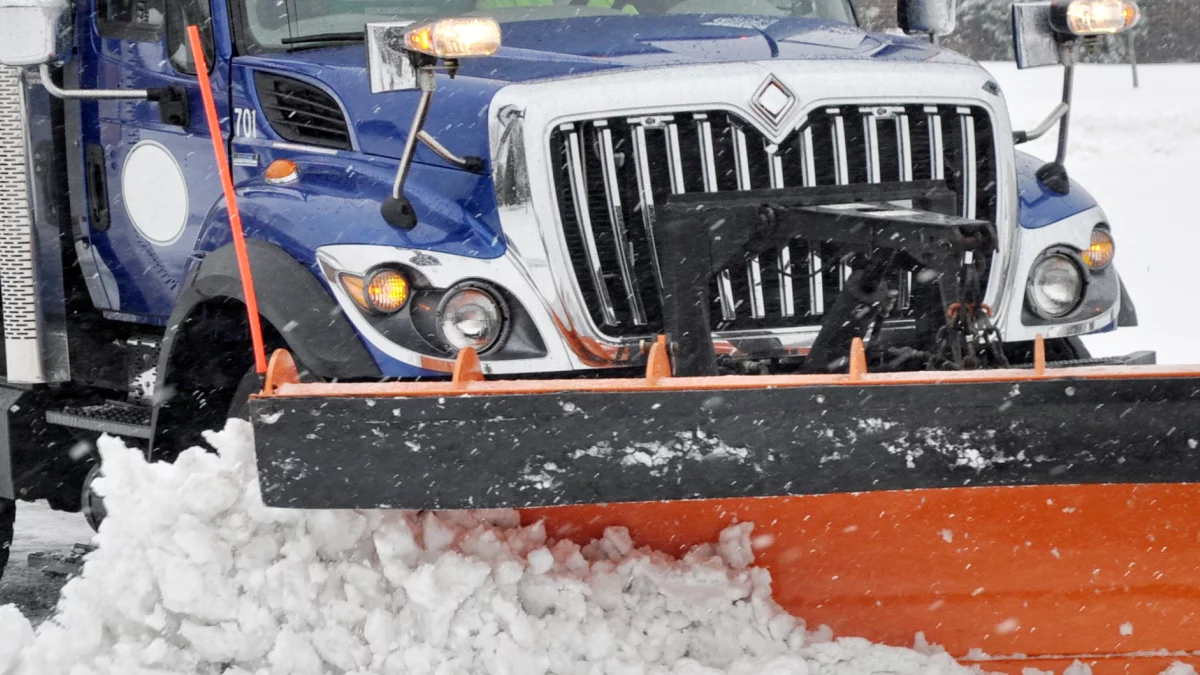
(549, 449)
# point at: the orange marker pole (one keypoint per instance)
(235, 216)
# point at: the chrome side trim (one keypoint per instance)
(18, 271)
(582, 213)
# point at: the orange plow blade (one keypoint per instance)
(1034, 576)
(1025, 518)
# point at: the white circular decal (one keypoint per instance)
(156, 195)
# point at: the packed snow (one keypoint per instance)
(194, 575)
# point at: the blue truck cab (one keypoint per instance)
(522, 224)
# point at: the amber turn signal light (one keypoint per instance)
(282, 172)
(386, 291)
(1099, 253)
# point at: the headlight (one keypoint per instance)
(470, 316)
(1100, 252)
(455, 38)
(1093, 17)
(1055, 286)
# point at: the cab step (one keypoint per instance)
(112, 417)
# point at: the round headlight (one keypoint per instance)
(471, 316)
(386, 291)
(1101, 249)
(1055, 286)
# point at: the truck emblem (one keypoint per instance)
(424, 260)
(773, 99)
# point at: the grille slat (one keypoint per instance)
(610, 173)
(616, 216)
(583, 216)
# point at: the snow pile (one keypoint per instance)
(195, 575)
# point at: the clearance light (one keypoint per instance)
(1093, 17)
(282, 172)
(455, 38)
(1100, 252)
(386, 291)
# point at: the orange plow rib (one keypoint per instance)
(1025, 517)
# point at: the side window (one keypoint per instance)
(140, 20)
(180, 15)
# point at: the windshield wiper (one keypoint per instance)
(323, 37)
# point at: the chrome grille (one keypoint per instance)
(610, 173)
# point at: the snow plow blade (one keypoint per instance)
(470, 444)
(1026, 517)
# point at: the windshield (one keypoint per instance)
(280, 24)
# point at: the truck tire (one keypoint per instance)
(8, 513)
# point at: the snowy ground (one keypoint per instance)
(39, 529)
(220, 584)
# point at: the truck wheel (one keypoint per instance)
(8, 513)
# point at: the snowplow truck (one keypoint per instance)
(660, 264)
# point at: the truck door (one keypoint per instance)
(150, 181)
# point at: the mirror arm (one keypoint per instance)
(427, 81)
(1054, 174)
(396, 209)
(1042, 129)
(469, 163)
(1068, 60)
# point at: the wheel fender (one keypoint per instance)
(289, 298)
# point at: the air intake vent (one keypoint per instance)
(302, 113)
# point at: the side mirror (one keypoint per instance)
(29, 31)
(389, 66)
(1035, 43)
(926, 17)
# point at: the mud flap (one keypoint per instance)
(8, 397)
(559, 448)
